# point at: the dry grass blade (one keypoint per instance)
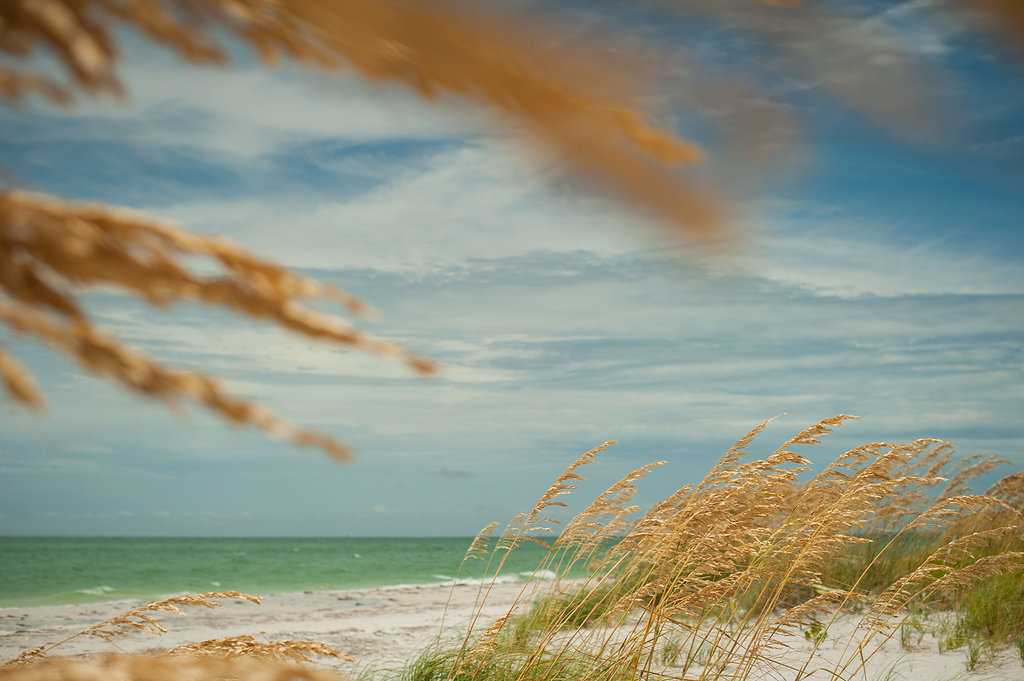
(488, 639)
(936, 577)
(141, 619)
(104, 356)
(50, 250)
(575, 103)
(564, 483)
(605, 516)
(949, 510)
(971, 468)
(26, 657)
(812, 434)
(1009, 490)
(20, 384)
(727, 463)
(15, 86)
(807, 612)
(478, 547)
(52, 246)
(298, 651)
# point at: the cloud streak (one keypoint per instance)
(559, 320)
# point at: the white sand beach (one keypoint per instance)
(382, 627)
(386, 627)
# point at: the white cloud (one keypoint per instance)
(246, 112)
(484, 199)
(920, 28)
(487, 202)
(838, 261)
(480, 201)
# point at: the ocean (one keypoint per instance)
(58, 570)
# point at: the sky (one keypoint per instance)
(878, 274)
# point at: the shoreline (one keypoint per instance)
(131, 601)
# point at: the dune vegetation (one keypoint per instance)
(708, 581)
(705, 583)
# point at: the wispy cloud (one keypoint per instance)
(558, 319)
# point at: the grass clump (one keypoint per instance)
(577, 608)
(912, 632)
(572, 609)
(502, 664)
(670, 651)
(975, 648)
(718, 574)
(816, 633)
(994, 610)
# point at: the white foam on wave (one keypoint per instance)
(447, 580)
(97, 590)
(539, 574)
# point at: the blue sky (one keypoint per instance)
(879, 274)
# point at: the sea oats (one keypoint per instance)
(478, 547)
(577, 103)
(105, 356)
(605, 517)
(970, 469)
(298, 651)
(564, 483)
(143, 618)
(19, 382)
(50, 251)
(1009, 490)
(754, 551)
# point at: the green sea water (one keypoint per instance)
(57, 570)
